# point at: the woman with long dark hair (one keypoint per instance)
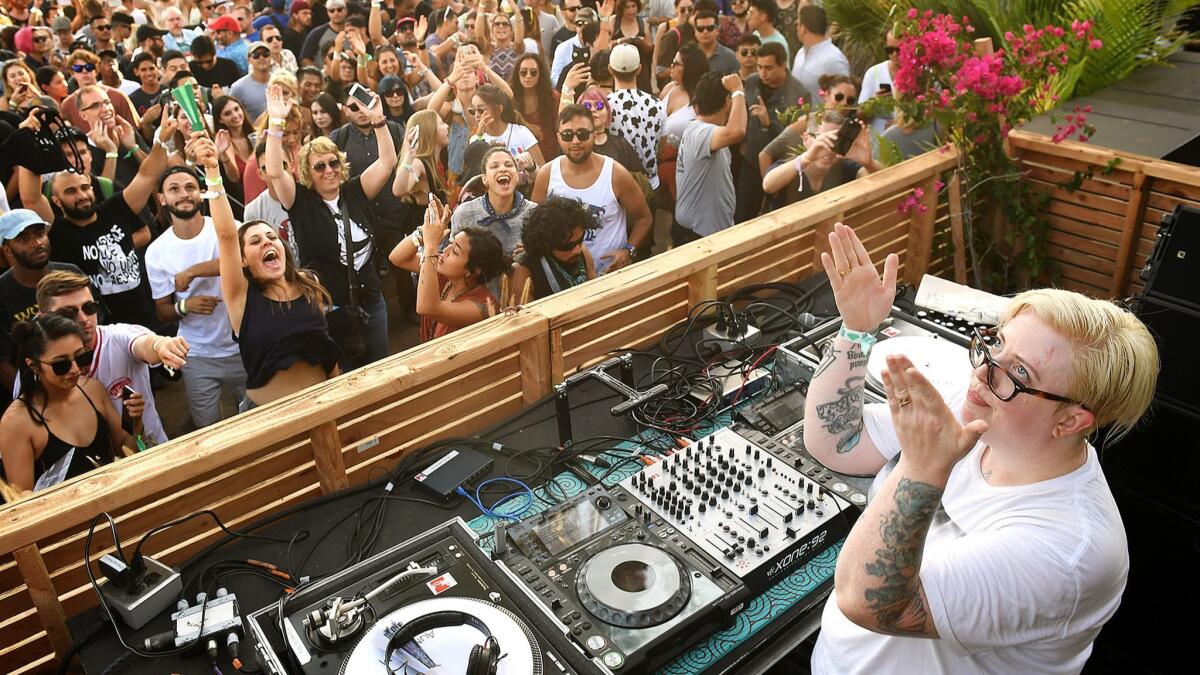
(277, 312)
(327, 115)
(536, 101)
(334, 224)
(62, 424)
(493, 118)
(688, 65)
(500, 38)
(452, 287)
(234, 135)
(394, 95)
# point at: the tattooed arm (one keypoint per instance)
(878, 577)
(833, 411)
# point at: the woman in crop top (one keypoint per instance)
(63, 424)
(277, 313)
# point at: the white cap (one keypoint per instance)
(624, 59)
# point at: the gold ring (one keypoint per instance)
(842, 275)
(904, 401)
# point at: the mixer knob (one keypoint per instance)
(750, 542)
(809, 490)
(812, 504)
(787, 517)
(696, 489)
(702, 507)
(756, 453)
(768, 461)
(737, 487)
(725, 494)
(747, 450)
(731, 452)
(730, 553)
(672, 487)
(712, 501)
(741, 475)
(762, 473)
(749, 480)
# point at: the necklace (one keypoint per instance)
(458, 295)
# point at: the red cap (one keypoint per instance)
(226, 22)
(299, 6)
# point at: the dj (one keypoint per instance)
(991, 542)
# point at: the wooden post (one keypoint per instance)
(920, 233)
(536, 373)
(702, 285)
(1131, 229)
(327, 453)
(956, 228)
(556, 356)
(45, 598)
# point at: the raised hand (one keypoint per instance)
(173, 351)
(433, 229)
(277, 103)
(100, 137)
(223, 142)
(931, 437)
(421, 29)
(124, 132)
(732, 83)
(860, 151)
(862, 298)
(204, 150)
(168, 127)
(759, 111)
(375, 110)
(579, 74)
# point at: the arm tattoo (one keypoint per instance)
(483, 309)
(830, 357)
(843, 417)
(897, 604)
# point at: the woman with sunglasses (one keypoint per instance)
(606, 143)
(327, 115)
(501, 39)
(820, 164)
(495, 121)
(553, 257)
(536, 101)
(62, 424)
(332, 218)
(394, 95)
(839, 96)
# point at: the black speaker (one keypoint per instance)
(1168, 272)
(1175, 326)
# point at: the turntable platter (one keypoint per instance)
(447, 649)
(942, 362)
(633, 585)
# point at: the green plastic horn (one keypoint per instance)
(185, 96)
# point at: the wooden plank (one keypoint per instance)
(1115, 190)
(821, 240)
(1073, 242)
(702, 285)
(956, 228)
(1130, 232)
(1190, 192)
(27, 654)
(45, 598)
(1084, 215)
(1087, 200)
(1087, 230)
(920, 235)
(557, 369)
(327, 455)
(536, 378)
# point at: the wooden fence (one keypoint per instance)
(332, 435)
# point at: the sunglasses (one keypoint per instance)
(106, 26)
(477, 111)
(394, 92)
(706, 29)
(839, 97)
(273, 38)
(41, 38)
(747, 52)
(569, 245)
(569, 135)
(529, 72)
(580, 23)
(334, 164)
(891, 50)
(594, 105)
(87, 67)
(63, 366)
(91, 307)
(572, 9)
(260, 54)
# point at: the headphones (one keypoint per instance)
(484, 657)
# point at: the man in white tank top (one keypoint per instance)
(605, 188)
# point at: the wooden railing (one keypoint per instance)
(331, 435)
(1103, 230)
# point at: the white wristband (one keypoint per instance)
(739, 92)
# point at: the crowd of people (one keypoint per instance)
(238, 193)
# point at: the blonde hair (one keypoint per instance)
(321, 145)
(1114, 360)
(427, 150)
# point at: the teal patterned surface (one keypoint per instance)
(759, 611)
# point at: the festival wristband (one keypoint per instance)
(111, 155)
(274, 133)
(865, 339)
(181, 310)
(278, 122)
(739, 92)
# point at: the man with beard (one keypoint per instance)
(184, 276)
(25, 240)
(297, 27)
(103, 238)
(771, 90)
(606, 189)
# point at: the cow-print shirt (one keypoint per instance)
(639, 118)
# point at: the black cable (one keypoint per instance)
(137, 551)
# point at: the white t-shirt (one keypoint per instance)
(823, 58)
(115, 366)
(208, 335)
(362, 240)
(1019, 579)
(876, 75)
(517, 138)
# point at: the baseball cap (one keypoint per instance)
(60, 22)
(299, 6)
(255, 45)
(145, 32)
(586, 14)
(334, 4)
(624, 59)
(13, 223)
(226, 22)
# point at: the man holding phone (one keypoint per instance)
(771, 90)
(877, 81)
(564, 53)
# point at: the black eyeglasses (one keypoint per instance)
(81, 68)
(891, 50)
(706, 29)
(839, 97)
(91, 307)
(569, 245)
(571, 9)
(987, 340)
(41, 38)
(63, 366)
(594, 105)
(569, 135)
(334, 164)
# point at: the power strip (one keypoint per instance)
(728, 340)
(162, 586)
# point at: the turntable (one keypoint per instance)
(629, 592)
(433, 604)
